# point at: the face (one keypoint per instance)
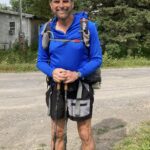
(62, 8)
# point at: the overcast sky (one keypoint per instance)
(5, 2)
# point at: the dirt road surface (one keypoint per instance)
(120, 105)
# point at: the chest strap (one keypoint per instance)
(67, 40)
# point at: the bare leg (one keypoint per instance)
(59, 145)
(85, 133)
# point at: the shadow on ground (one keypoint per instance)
(108, 132)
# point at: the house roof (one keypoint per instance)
(16, 13)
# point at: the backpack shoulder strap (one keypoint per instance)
(46, 27)
(85, 32)
(46, 35)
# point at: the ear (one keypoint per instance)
(50, 5)
(72, 5)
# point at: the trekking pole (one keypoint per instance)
(56, 111)
(65, 126)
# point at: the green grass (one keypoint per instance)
(125, 62)
(18, 56)
(18, 61)
(139, 139)
(23, 67)
(42, 147)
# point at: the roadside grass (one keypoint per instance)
(22, 67)
(125, 62)
(42, 147)
(17, 56)
(139, 139)
(18, 61)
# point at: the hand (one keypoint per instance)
(59, 75)
(71, 76)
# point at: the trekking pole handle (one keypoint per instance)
(65, 87)
(58, 86)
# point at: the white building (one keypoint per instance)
(10, 27)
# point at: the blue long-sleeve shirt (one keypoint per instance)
(72, 56)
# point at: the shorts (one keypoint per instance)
(77, 108)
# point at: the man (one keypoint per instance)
(70, 62)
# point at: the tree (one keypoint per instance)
(123, 25)
(36, 7)
(4, 7)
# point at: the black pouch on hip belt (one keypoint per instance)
(80, 107)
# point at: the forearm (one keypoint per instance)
(90, 67)
(45, 68)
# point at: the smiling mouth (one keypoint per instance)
(62, 12)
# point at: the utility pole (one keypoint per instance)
(21, 33)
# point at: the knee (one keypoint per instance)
(60, 134)
(85, 135)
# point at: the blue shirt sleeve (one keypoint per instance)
(95, 54)
(43, 58)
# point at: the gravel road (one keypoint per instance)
(120, 105)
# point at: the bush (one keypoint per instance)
(125, 62)
(124, 27)
(17, 56)
(114, 50)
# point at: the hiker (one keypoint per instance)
(68, 62)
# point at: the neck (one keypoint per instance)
(65, 22)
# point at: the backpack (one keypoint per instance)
(95, 78)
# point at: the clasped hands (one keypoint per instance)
(66, 76)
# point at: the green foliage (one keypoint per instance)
(125, 61)
(137, 140)
(36, 7)
(128, 27)
(113, 50)
(4, 7)
(123, 25)
(23, 67)
(17, 56)
(17, 61)
(15, 5)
